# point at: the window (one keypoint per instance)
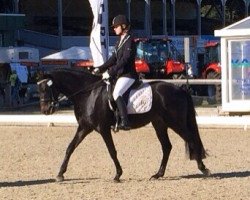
(23, 55)
(239, 69)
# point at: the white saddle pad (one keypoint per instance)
(140, 99)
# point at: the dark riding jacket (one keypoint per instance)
(122, 61)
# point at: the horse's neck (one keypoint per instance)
(71, 84)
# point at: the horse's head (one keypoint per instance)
(48, 96)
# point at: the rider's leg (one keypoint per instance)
(121, 86)
(123, 113)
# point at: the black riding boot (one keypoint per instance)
(123, 113)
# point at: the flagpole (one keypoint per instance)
(60, 24)
(106, 22)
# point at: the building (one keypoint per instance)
(57, 24)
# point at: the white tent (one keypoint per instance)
(73, 53)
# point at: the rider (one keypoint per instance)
(120, 66)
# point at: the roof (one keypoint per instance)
(240, 28)
(73, 53)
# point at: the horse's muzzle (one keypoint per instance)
(47, 109)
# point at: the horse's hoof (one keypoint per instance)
(117, 180)
(154, 177)
(59, 178)
(206, 172)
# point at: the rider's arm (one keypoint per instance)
(110, 62)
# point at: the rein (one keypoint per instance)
(84, 90)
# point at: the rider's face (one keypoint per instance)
(118, 30)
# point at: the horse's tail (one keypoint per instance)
(194, 146)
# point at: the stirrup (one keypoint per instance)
(115, 127)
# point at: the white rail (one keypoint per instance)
(190, 81)
(69, 119)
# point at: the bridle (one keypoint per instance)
(50, 100)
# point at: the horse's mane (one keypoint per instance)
(76, 72)
(73, 77)
(73, 70)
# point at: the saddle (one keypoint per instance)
(138, 97)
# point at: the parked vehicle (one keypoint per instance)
(211, 69)
(212, 60)
(158, 58)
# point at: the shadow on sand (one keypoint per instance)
(215, 175)
(26, 183)
(221, 175)
(43, 181)
(70, 181)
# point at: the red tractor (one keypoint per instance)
(155, 58)
(158, 58)
(212, 69)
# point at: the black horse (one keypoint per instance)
(172, 107)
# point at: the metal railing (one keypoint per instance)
(190, 81)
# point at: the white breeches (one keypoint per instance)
(121, 86)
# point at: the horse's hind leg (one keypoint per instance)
(79, 136)
(162, 134)
(194, 148)
(107, 137)
(202, 167)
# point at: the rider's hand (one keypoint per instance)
(96, 71)
(105, 75)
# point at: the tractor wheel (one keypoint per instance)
(214, 91)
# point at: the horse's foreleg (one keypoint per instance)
(107, 137)
(162, 134)
(79, 136)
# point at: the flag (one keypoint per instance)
(99, 37)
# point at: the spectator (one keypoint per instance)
(15, 85)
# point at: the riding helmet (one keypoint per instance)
(119, 20)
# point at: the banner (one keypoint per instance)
(99, 37)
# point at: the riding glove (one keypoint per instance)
(105, 75)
